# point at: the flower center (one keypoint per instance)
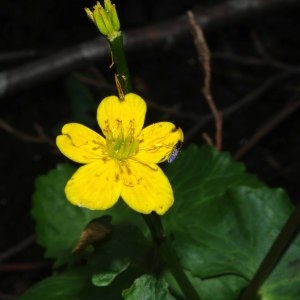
(121, 147)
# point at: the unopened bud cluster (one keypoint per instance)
(105, 18)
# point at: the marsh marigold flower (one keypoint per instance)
(124, 161)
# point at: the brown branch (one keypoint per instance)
(261, 50)
(174, 110)
(93, 82)
(7, 296)
(40, 138)
(204, 59)
(207, 139)
(96, 79)
(255, 61)
(24, 267)
(167, 32)
(247, 99)
(256, 93)
(267, 127)
(17, 248)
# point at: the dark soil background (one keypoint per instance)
(244, 56)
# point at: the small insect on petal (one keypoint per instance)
(175, 151)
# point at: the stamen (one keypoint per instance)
(121, 145)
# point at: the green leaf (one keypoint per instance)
(58, 227)
(126, 246)
(230, 234)
(284, 282)
(219, 288)
(58, 223)
(106, 278)
(197, 219)
(73, 284)
(222, 224)
(223, 220)
(148, 287)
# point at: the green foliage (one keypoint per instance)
(284, 282)
(219, 287)
(58, 223)
(148, 287)
(76, 284)
(73, 284)
(127, 246)
(221, 226)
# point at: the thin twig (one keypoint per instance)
(267, 127)
(207, 139)
(17, 248)
(261, 50)
(93, 82)
(243, 60)
(40, 138)
(7, 296)
(256, 93)
(174, 110)
(23, 267)
(255, 61)
(251, 97)
(204, 60)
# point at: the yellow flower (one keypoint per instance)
(124, 161)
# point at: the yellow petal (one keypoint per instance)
(122, 117)
(157, 142)
(146, 190)
(80, 143)
(96, 186)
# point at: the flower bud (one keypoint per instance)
(105, 18)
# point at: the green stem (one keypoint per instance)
(278, 248)
(165, 249)
(116, 46)
(153, 221)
